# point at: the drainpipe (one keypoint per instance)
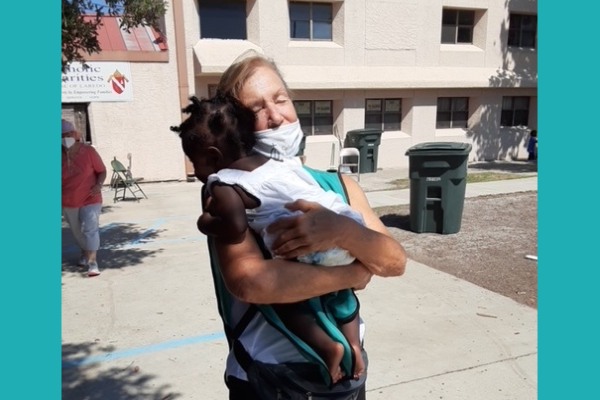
(182, 74)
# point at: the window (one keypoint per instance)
(222, 19)
(457, 26)
(452, 112)
(311, 21)
(522, 30)
(515, 111)
(316, 117)
(384, 114)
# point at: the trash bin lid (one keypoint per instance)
(440, 149)
(364, 132)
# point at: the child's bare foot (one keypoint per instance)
(359, 363)
(333, 358)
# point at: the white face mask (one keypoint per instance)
(281, 143)
(68, 142)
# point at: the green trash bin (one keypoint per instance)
(367, 142)
(438, 179)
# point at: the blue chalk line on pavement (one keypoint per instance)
(67, 364)
(147, 232)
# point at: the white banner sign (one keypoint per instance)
(101, 81)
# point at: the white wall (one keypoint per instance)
(406, 36)
(380, 49)
(141, 127)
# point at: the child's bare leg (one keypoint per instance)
(304, 325)
(351, 331)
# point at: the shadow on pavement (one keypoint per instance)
(114, 383)
(396, 221)
(120, 246)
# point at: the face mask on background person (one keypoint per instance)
(68, 142)
(281, 143)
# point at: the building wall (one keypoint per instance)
(141, 127)
(380, 49)
(390, 49)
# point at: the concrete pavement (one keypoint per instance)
(148, 327)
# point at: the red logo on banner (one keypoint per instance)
(117, 81)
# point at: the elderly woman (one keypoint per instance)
(243, 277)
(83, 174)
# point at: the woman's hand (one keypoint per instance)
(319, 229)
(316, 229)
(251, 278)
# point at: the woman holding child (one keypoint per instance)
(244, 278)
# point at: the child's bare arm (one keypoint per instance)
(224, 215)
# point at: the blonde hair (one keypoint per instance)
(235, 77)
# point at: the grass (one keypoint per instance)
(471, 178)
(493, 176)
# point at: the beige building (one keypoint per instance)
(415, 70)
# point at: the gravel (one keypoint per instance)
(492, 249)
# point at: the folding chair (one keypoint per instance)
(122, 180)
(349, 159)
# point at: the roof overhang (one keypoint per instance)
(389, 77)
(213, 56)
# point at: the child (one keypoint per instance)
(249, 189)
(532, 146)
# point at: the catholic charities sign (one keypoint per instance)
(101, 81)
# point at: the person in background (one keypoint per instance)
(243, 278)
(83, 174)
(532, 146)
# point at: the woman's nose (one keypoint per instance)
(274, 117)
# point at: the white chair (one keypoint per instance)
(349, 159)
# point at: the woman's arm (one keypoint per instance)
(320, 229)
(100, 178)
(251, 278)
(377, 249)
(99, 169)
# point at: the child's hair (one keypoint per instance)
(221, 121)
(534, 133)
